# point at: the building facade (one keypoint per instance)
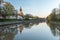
(20, 14)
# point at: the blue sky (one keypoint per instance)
(40, 8)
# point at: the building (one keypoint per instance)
(20, 14)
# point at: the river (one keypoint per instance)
(30, 31)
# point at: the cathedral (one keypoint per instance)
(20, 15)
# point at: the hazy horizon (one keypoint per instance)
(40, 8)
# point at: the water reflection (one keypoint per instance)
(55, 28)
(9, 31)
(26, 25)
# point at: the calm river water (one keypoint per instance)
(30, 31)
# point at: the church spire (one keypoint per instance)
(20, 9)
(21, 13)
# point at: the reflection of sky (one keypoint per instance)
(37, 32)
(36, 7)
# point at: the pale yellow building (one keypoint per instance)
(20, 15)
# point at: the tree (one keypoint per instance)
(55, 15)
(52, 16)
(9, 8)
(26, 17)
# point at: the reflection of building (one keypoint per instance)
(25, 25)
(20, 28)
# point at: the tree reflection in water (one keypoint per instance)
(26, 25)
(8, 32)
(55, 28)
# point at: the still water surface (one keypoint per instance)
(30, 31)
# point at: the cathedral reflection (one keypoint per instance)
(25, 25)
(20, 27)
(8, 32)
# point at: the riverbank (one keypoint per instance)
(22, 21)
(54, 22)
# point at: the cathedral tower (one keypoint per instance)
(21, 13)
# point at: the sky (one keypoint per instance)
(41, 8)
